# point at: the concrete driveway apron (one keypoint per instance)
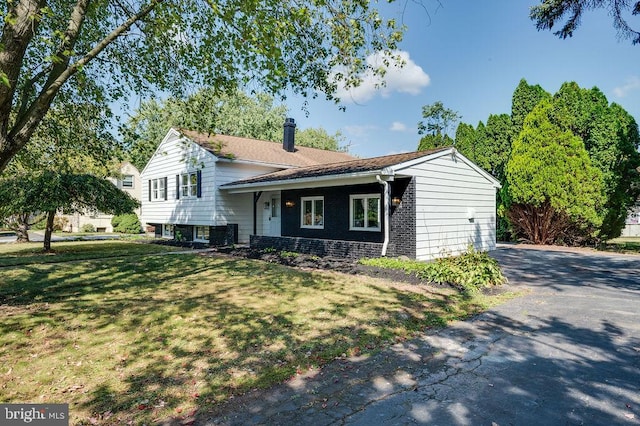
(566, 353)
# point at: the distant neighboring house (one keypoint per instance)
(223, 190)
(128, 181)
(632, 224)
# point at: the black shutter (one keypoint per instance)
(149, 189)
(165, 189)
(177, 187)
(199, 180)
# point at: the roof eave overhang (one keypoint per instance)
(224, 159)
(311, 182)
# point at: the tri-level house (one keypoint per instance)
(222, 190)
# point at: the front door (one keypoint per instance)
(271, 215)
(275, 217)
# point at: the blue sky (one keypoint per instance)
(471, 55)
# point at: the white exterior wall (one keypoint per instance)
(238, 208)
(215, 207)
(173, 157)
(447, 191)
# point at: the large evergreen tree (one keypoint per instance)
(610, 137)
(525, 98)
(555, 194)
(495, 144)
(466, 142)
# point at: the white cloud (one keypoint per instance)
(397, 126)
(408, 78)
(633, 83)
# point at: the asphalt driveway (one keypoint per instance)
(567, 353)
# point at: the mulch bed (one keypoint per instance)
(305, 261)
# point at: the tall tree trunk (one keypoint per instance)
(22, 228)
(49, 230)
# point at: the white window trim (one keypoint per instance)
(189, 186)
(158, 190)
(366, 197)
(170, 233)
(313, 212)
(195, 233)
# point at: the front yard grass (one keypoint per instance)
(622, 245)
(145, 338)
(13, 254)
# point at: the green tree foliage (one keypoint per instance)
(50, 191)
(206, 111)
(71, 139)
(549, 12)
(555, 192)
(438, 120)
(237, 114)
(319, 138)
(466, 141)
(610, 136)
(494, 144)
(524, 99)
(434, 141)
(608, 133)
(98, 52)
(126, 223)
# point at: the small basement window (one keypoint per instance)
(312, 212)
(364, 212)
(201, 233)
(167, 231)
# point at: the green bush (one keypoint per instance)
(470, 271)
(88, 227)
(126, 223)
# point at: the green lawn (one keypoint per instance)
(141, 337)
(622, 245)
(23, 254)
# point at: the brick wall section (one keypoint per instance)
(403, 219)
(319, 247)
(223, 235)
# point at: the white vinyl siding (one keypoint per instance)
(238, 208)
(173, 158)
(448, 192)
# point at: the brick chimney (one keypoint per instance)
(289, 139)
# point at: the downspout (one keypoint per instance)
(385, 184)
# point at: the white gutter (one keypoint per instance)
(386, 214)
